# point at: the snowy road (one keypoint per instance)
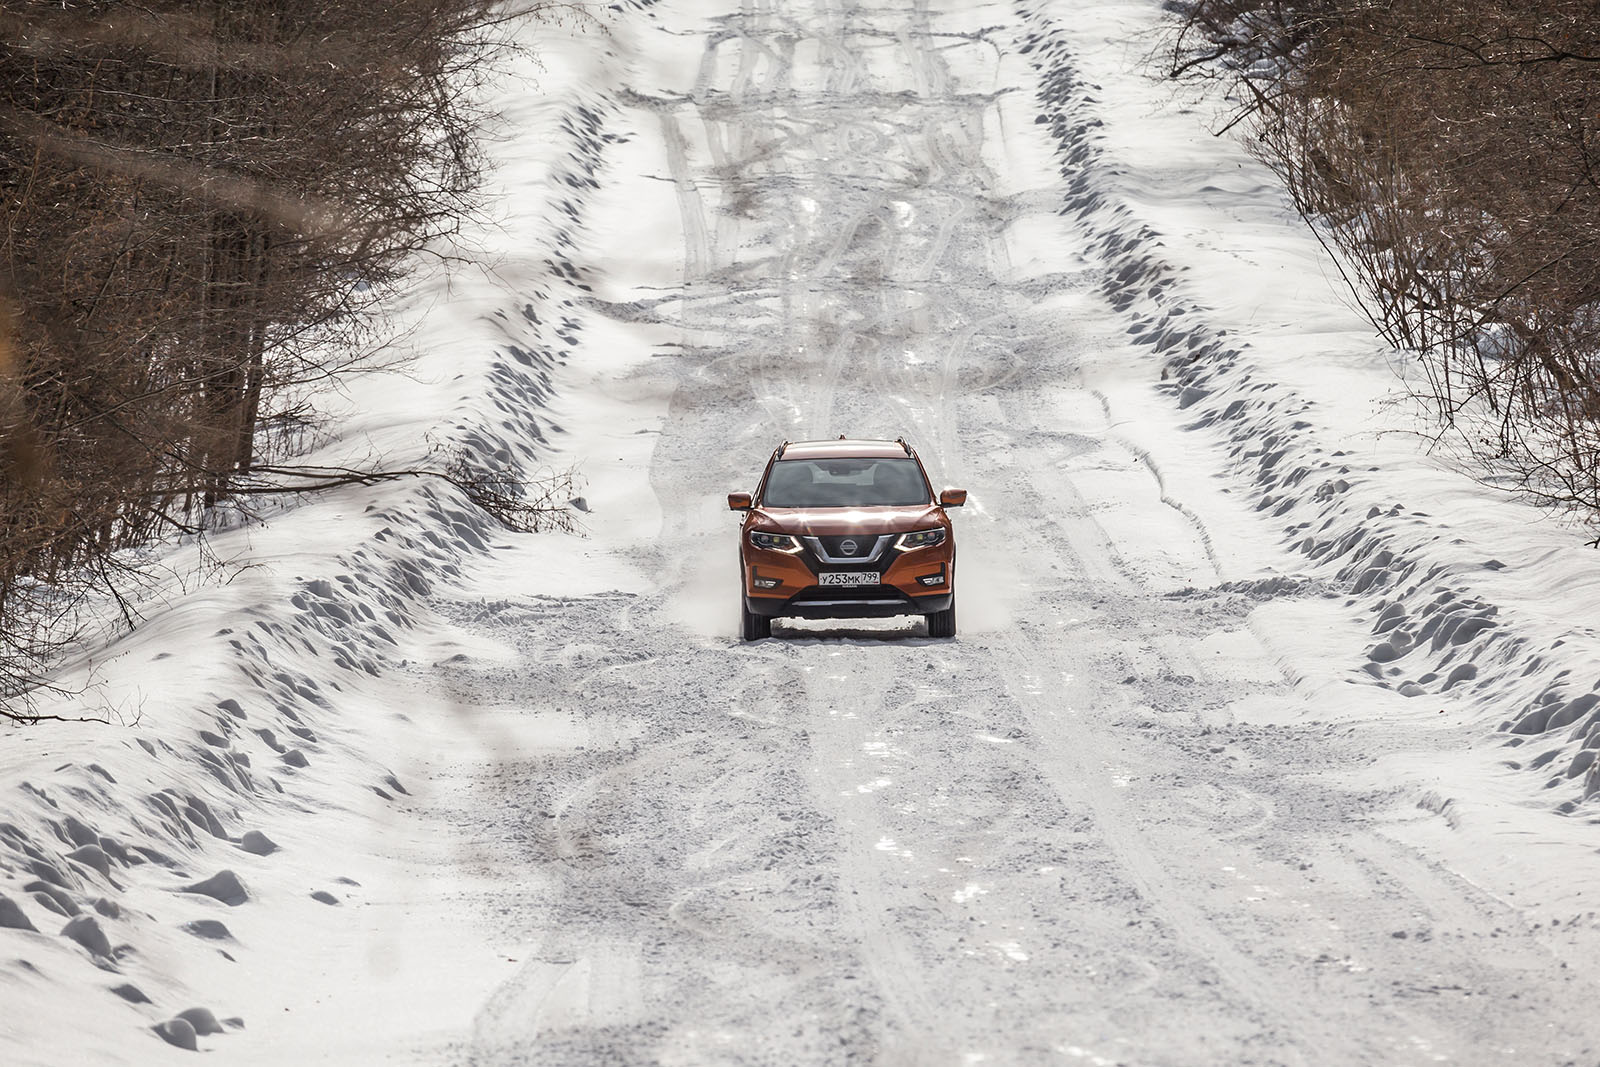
(1102, 825)
(1266, 738)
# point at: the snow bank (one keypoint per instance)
(1460, 610)
(243, 827)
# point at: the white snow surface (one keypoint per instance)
(1267, 737)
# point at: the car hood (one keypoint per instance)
(827, 522)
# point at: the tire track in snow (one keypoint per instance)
(990, 858)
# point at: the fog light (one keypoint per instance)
(764, 583)
(932, 579)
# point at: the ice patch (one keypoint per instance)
(888, 844)
(1011, 950)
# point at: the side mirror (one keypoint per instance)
(952, 498)
(741, 501)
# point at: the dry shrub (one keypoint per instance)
(1447, 150)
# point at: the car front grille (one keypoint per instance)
(849, 548)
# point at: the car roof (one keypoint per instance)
(844, 449)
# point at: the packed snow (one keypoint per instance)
(1268, 735)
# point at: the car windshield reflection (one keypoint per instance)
(845, 483)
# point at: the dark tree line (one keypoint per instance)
(198, 198)
(1449, 151)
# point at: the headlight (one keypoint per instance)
(775, 542)
(920, 539)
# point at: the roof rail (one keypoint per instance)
(901, 441)
(783, 448)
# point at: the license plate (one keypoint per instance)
(848, 578)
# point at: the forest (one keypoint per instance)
(202, 201)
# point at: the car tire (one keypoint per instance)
(752, 627)
(943, 623)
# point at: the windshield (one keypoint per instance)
(845, 483)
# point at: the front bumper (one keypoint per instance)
(872, 602)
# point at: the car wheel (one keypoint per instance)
(753, 627)
(943, 623)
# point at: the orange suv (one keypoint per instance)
(846, 530)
